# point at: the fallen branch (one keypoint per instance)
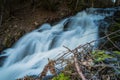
(78, 68)
(77, 65)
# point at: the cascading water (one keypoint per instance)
(114, 1)
(30, 54)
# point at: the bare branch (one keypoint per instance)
(76, 64)
(78, 68)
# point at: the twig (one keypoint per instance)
(76, 64)
(98, 72)
(102, 45)
(62, 56)
(50, 66)
(78, 68)
(105, 65)
(113, 43)
(67, 48)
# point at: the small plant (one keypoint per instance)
(117, 52)
(100, 55)
(61, 76)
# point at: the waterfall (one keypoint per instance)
(113, 1)
(30, 54)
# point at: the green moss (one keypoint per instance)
(99, 55)
(61, 76)
(117, 52)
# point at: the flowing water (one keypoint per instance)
(114, 1)
(30, 54)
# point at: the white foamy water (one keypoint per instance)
(30, 54)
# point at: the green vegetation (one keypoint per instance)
(61, 76)
(117, 52)
(100, 55)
